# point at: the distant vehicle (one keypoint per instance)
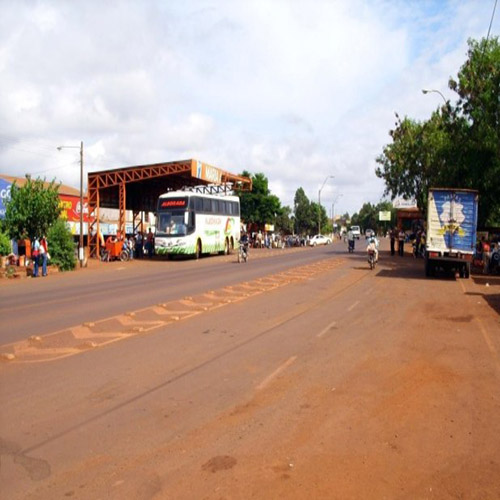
(319, 239)
(369, 233)
(451, 230)
(356, 231)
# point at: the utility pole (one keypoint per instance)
(80, 250)
(319, 202)
(80, 245)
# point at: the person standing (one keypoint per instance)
(150, 243)
(131, 247)
(392, 236)
(401, 242)
(486, 255)
(44, 254)
(138, 245)
(35, 255)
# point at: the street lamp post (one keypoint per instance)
(333, 207)
(319, 202)
(428, 91)
(80, 249)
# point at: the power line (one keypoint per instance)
(491, 21)
(76, 162)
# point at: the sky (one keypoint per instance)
(303, 91)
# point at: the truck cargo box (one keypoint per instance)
(451, 229)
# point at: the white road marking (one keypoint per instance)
(325, 330)
(276, 372)
(353, 306)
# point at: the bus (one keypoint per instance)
(194, 223)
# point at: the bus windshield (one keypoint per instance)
(171, 223)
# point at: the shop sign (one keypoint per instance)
(206, 172)
(70, 208)
(4, 196)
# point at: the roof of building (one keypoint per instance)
(21, 181)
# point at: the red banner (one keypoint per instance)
(70, 208)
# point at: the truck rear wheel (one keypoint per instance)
(428, 268)
(467, 270)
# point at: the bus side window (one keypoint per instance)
(198, 204)
(207, 205)
(214, 206)
(224, 210)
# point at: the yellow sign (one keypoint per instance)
(384, 215)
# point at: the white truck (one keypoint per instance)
(356, 232)
(451, 230)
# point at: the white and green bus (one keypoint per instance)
(195, 223)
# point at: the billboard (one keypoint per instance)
(206, 172)
(70, 208)
(384, 215)
(4, 196)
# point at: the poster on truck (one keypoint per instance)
(452, 220)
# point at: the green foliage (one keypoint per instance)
(285, 221)
(368, 216)
(459, 145)
(32, 209)
(308, 215)
(5, 248)
(61, 246)
(259, 206)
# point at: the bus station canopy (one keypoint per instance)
(137, 188)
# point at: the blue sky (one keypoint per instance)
(298, 90)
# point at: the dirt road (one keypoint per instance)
(324, 381)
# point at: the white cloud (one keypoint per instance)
(295, 89)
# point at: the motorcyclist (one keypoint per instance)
(244, 242)
(373, 244)
(350, 239)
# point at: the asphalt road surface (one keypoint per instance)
(301, 374)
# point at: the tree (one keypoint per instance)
(285, 221)
(459, 146)
(5, 247)
(32, 209)
(259, 206)
(61, 246)
(306, 218)
(478, 88)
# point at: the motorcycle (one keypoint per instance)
(371, 259)
(351, 246)
(243, 252)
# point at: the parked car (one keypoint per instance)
(319, 239)
(369, 233)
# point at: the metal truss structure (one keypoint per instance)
(138, 188)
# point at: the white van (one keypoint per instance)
(356, 231)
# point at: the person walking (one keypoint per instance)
(392, 236)
(44, 254)
(401, 242)
(35, 256)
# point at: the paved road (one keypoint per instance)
(34, 307)
(321, 379)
